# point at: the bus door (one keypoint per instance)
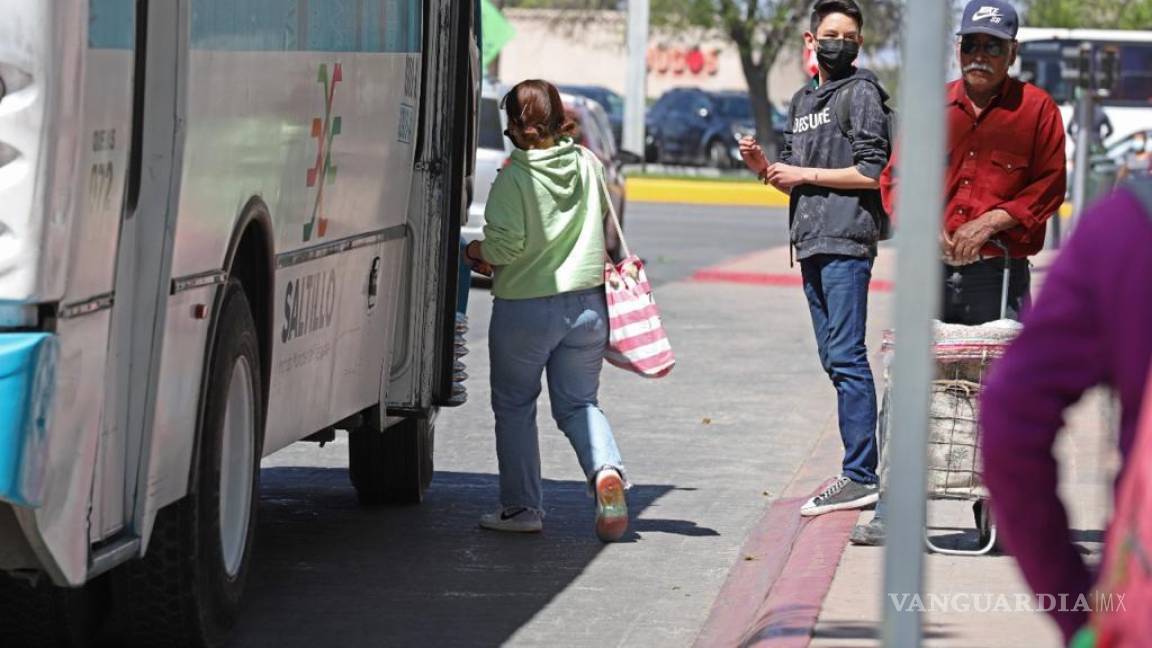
(422, 372)
(143, 268)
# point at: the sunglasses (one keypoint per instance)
(991, 47)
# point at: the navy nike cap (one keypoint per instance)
(992, 17)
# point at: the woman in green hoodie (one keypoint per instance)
(545, 239)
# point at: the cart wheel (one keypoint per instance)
(982, 511)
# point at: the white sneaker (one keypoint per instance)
(516, 519)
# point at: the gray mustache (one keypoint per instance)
(981, 67)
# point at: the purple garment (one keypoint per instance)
(1091, 325)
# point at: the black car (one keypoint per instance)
(693, 126)
(612, 103)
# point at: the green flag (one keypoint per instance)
(496, 31)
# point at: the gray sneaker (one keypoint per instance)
(842, 494)
(872, 534)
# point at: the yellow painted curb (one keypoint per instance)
(704, 192)
(711, 192)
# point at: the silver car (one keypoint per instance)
(492, 151)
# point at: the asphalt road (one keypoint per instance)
(328, 572)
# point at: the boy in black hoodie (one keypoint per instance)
(831, 170)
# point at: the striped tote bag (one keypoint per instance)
(636, 338)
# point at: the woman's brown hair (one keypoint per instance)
(536, 113)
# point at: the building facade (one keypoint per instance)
(590, 48)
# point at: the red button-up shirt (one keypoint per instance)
(1010, 158)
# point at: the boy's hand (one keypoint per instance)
(753, 155)
(786, 176)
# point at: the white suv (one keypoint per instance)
(492, 151)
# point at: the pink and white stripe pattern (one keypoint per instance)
(636, 338)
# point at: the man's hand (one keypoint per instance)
(786, 176)
(753, 155)
(970, 238)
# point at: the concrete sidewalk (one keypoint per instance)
(852, 612)
(840, 603)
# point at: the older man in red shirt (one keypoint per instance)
(1005, 179)
(1005, 169)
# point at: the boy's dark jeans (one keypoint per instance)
(837, 291)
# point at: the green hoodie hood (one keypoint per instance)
(555, 170)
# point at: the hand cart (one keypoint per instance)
(963, 356)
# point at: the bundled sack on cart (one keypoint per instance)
(963, 355)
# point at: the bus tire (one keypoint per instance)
(185, 592)
(394, 466)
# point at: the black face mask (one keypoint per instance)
(836, 55)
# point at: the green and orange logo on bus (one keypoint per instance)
(324, 130)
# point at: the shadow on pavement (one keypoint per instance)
(328, 572)
(870, 632)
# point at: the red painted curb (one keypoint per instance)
(774, 592)
(769, 279)
(761, 560)
(788, 617)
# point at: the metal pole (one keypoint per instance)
(917, 302)
(1087, 110)
(636, 88)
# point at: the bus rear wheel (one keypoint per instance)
(186, 590)
(394, 466)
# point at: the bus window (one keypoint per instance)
(1041, 63)
(1135, 79)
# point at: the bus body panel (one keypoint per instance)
(311, 134)
(41, 59)
(84, 124)
(107, 132)
(58, 529)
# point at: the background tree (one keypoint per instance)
(760, 30)
(1088, 14)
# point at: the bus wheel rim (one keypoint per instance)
(236, 466)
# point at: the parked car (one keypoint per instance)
(492, 151)
(693, 126)
(594, 132)
(612, 103)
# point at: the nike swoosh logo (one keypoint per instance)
(505, 516)
(985, 13)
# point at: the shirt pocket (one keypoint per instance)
(1009, 172)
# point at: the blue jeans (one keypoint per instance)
(567, 334)
(837, 291)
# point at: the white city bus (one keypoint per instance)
(227, 226)
(1129, 105)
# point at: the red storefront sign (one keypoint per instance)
(683, 61)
